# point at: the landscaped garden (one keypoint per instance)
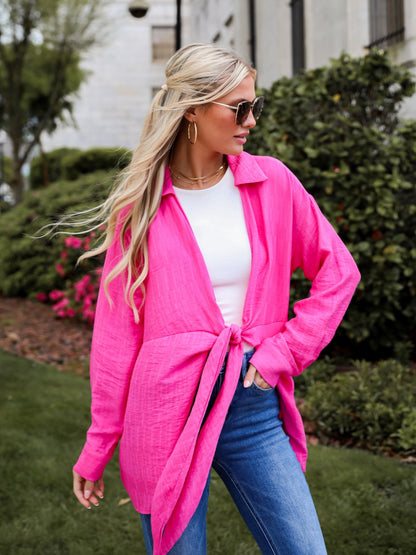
(365, 502)
(338, 129)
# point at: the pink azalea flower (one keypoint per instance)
(64, 255)
(73, 242)
(42, 297)
(88, 315)
(60, 305)
(55, 295)
(88, 301)
(60, 269)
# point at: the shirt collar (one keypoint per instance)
(244, 167)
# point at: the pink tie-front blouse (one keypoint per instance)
(151, 382)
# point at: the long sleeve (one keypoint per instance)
(115, 345)
(327, 263)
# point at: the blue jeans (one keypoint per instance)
(260, 470)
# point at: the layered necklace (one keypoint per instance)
(203, 180)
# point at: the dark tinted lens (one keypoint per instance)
(243, 110)
(258, 107)
(245, 107)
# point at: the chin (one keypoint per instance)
(235, 150)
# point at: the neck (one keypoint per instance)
(194, 161)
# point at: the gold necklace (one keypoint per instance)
(204, 179)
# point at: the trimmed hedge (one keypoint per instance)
(337, 128)
(77, 164)
(53, 161)
(369, 405)
(27, 265)
(71, 163)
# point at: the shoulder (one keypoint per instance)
(270, 172)
(249, 163)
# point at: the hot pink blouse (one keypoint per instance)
(151, 382)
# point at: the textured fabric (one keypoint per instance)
(217, 220)
(259, 468)
(151, 382)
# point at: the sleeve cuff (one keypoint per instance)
(273, 358)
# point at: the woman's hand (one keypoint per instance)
(87, 492)
(253, 376)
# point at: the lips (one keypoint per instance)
(241, 139)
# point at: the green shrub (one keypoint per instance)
(82, 280)
(337, 128)
(407, 433)
(371, 406)
(94, 159)
(48, 167)
(320, 371)
(71, 163)
(27, 265)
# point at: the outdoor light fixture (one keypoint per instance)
(138, 8)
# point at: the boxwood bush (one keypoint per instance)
(338, 129)
(27, 265)
(49, 164)
(370, 405)
(71, 163)
(87, 161)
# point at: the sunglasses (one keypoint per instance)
(242, 110)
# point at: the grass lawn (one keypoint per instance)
(366, 503)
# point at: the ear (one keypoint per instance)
(190, 114)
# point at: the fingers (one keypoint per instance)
(253, 375)
(100, 485)
(86, 491)
(260, 382)
(249, 377)
(78, 487)
(90, 490)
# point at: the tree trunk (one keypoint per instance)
(44, 165)
(17, 183)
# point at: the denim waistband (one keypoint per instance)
(246, 359)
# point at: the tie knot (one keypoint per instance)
(235, 334)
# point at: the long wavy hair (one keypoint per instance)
(195, 75)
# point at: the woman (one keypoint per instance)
(193, 354)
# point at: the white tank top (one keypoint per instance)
(217, 220)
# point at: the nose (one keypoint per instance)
(250, 121)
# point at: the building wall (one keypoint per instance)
(223, 22)
(405, 53)
(274, 41)
(331, 27)
(334, 27)
(112, 103)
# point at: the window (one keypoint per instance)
(298, 36)
(386, 22)
(163, 43)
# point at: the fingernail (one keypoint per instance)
(247, 383)
(87, 494)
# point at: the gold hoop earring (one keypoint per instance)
(195, 132)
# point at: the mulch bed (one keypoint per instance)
(31, 329)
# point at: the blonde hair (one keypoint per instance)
(195, 75)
